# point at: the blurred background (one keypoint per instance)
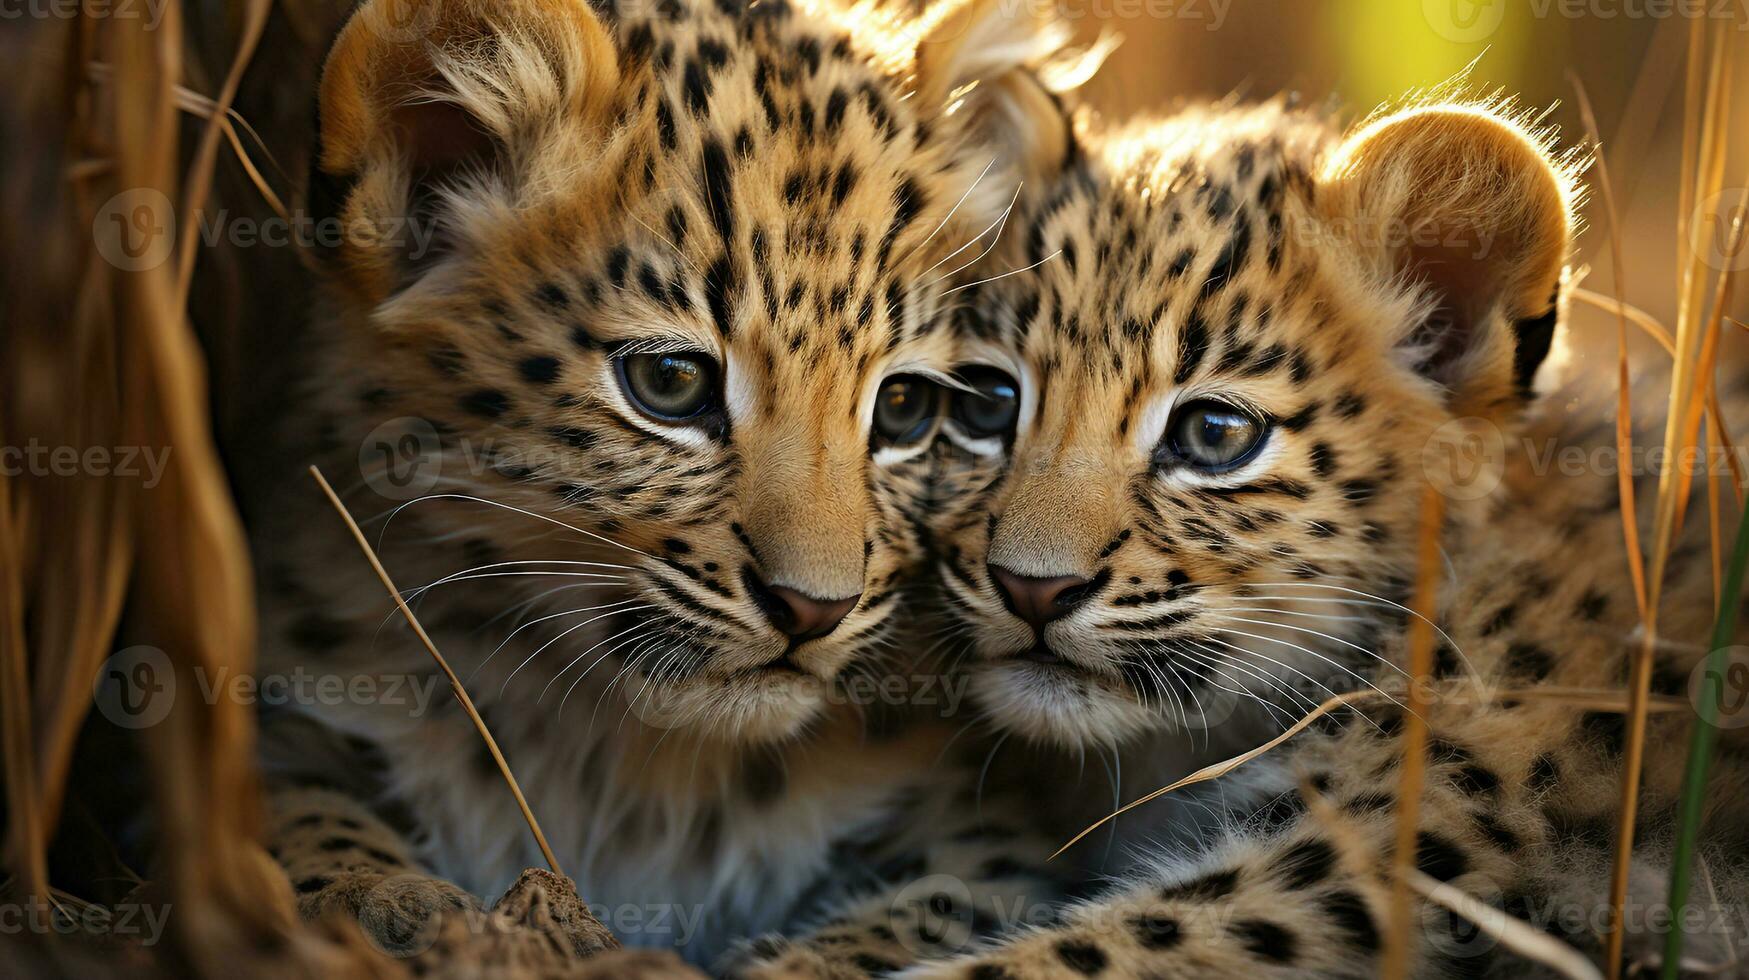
(1629, 55)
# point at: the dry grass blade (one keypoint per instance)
(1624, 422)
(1219, 769)
(1399, 938)
(197, 104)
(200, 172)
(1615, 304)
(1515, 934)
(1704, 136)
(1582, 698)
(455, 683)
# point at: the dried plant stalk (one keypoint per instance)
(1704, 136)
(1399, 938)
(455, 683)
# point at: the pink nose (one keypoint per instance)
(797, 614)
(1038, 600)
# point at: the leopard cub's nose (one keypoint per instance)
(795, 613)
(1037, 600)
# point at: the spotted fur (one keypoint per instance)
(781, 185)
(1367, 296)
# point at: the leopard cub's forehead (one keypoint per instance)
(775, 185)
(1164, 232)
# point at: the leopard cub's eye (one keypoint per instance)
(905, 409)
(1213, 436)
(672, 387)
(991, 407)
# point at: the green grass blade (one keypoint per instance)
(1700, 750)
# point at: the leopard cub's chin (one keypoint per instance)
(1054, 706)
(748, 707)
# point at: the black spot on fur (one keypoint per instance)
(716, 289)
(1156, 931)
(1082, 957)
(1207, 888)
(1352, 916)
(1308, 863)
(1529, 659)
(540, 369)
(719, 193)
(1266, 939)
(873, 965)
(1439, 858)
(486, 403)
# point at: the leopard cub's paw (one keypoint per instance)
(401, 914)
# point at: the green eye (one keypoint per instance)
(904, 409)
(1213, 436)
(670, 387)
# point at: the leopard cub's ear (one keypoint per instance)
(999, 73)
(1468, 203)
(414, 91)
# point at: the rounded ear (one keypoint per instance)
(415, 90)
(1466, 202)
(436, 78)
(1000, 72)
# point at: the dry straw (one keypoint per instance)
(455, 684)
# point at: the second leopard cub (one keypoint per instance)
(1249, 342)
